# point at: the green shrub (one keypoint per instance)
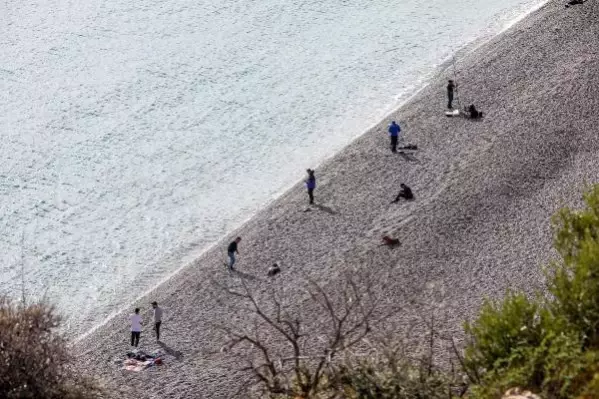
(501, 331)
(574, 282)
(390, 378)
(549, 345)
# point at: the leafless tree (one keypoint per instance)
(35, 359)
(287, 352)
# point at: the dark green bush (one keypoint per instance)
(549, 344)
(500, 330)
(574, 282)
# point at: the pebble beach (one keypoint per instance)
(480, 223)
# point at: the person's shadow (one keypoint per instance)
(245, 275)
(326, 209)
(408, 157)
(170, 351)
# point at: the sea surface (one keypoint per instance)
(134, 134)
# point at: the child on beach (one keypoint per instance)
(311, 185)
(394, 130)
(136, 322)
(231, 251)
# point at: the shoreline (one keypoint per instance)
(480, 222)
(463, 51)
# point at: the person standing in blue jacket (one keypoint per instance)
(311, 185)
(394, 130)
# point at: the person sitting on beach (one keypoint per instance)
(473, 113)
(274, 270)
(405, 192)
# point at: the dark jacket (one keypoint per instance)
(394, 129)
(311, 182)
(232, 247)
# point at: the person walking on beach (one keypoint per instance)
(405, 192)
(135, 327)
(231, 251)
(394, 130)
(311, 185)
(157, 319)
(450, 88)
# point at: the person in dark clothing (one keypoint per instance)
(450, 88)
(274, 270)
(474, 113)
(231, 251)
(311, 185)
(405, 192)
(394, 131)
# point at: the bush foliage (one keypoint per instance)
(390, 378)
(34, 360)
(548, 344)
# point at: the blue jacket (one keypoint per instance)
(394, 129)
(311, 182)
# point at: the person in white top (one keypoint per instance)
(135, 327)
(157, 319)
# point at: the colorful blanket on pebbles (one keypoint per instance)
(138, 360)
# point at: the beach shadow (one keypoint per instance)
(326, 209)
(408, 157)
(403, 200)
(245, 275)
(170, 351)
(391, 246)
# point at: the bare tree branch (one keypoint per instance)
(282, 356)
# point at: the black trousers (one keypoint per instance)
(449, 99)
(394, 143)
(311, 195)
(403, 195)
(135, 338)
(157, 329)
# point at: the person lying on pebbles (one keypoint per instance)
(390, 242)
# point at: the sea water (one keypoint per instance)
(134, 134)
